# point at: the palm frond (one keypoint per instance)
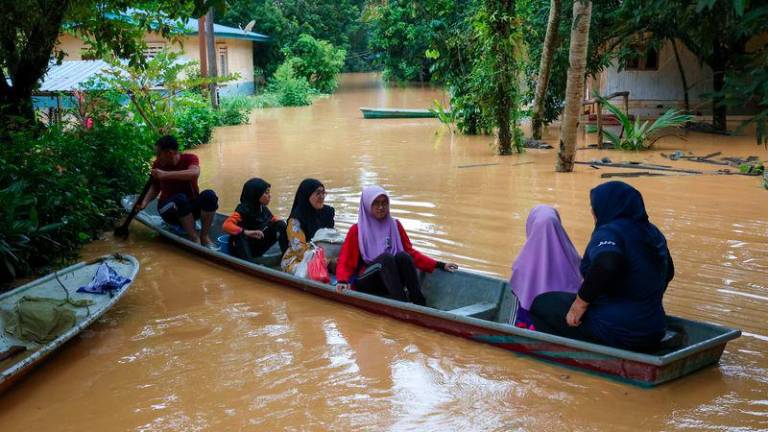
(613, 138)
(641, 135)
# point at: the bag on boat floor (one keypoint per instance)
(317, 269)
(330, 240)
(40, 319)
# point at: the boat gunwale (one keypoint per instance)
(397, 113)
(7, 376)
(395, 110)
(507, 329)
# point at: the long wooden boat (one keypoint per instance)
(478, 307)
(391, 113)
(20, 356)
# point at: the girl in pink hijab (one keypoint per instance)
(547, 262)
(377, 256)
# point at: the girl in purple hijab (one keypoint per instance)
(547, 262)
(377, 256)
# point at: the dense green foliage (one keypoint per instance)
(747, 81)
(496, 72)
(59, 188)
(194, 121)
(474, 48)
(751, 85)
(451, 50)
(289, 88)
(403, 31)
(61, 185)
(339, 22)
(434, 40)
(235, 110)
(534, 14)
(317, 61)
(717, 32)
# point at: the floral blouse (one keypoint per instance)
(297, 246)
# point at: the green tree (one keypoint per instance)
(452, 51)
(32, 28)
(158, 110)
(749, 84)
(336, 21)
(401, 34)
(497, 70)
(600, 54)
(717, 32)
(316, 60)
(269, 19)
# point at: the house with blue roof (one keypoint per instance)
(234, 54)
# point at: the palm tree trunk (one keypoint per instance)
(545, 67)
(574, 90)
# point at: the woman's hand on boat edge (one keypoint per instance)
(450, 267)
(341, 287)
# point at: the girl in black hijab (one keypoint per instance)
(252, 228)
(626, 267)
(308, 214)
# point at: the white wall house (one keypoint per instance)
(234, 52)
(654, 81)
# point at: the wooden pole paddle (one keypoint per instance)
(122, 230)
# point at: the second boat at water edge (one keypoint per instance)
(392, 113)
(22, 355)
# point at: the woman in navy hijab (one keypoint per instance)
(626, 267)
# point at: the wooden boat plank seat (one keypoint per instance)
(478, 310)
(463, 293)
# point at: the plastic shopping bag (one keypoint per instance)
(317, 270)
(303, 266)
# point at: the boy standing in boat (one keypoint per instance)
(180, 202)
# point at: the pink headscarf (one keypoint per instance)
(376, 236)
(548, 260)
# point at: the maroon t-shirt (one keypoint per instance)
(169, 188)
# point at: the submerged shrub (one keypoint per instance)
(235, 110)
(291, 90)
(194, 120)
(266, 100)
(318, 61)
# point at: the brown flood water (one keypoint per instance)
(195, 346)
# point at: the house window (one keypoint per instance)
(223, 61)
(646, 60)
(153, 49)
